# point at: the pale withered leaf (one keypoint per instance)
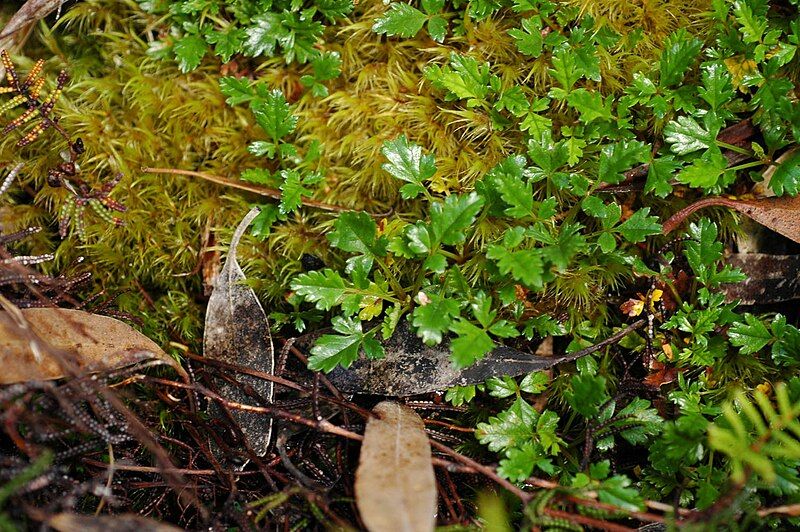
(237, 331)
(395, 485)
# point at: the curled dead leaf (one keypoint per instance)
(88, 342)
(237, 331)
(395, 485)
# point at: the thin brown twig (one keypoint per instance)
(638, 324)
(256, 189)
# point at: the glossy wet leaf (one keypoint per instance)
(237, 331)
(89, 341)
(395, 486)
(400, 19)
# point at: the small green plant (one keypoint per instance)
(246, 27)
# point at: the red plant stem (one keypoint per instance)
(678, 218)
(588, 521)
(485, 470)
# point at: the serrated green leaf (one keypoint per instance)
(326, 66)
(449, 219)
(703, 250)
(685, 135)
(786, 178)
(237, 90)
(525, 266)
(189, 51)
(567, 243)
(515, 192)
(513, 100)
(334, 9)
(408, 163)
(703, 173)
(680, 51)
(616, 491)
(660, 174)
(437, 28)
(226, 43)
(501, 387)
(510, 428)
(607, 242)
(717, 86)
(520, 461)
(621, 156)
(752, 25)
(528, 39)
(400, 19)
(432, 7)
(433, 319)
(326, 288)
(470, 344)
(342, 349)
(786, 349)
(609, 213)
(535, 382)
(262, 224)
(639, 226)
(274, 115)
(356, 232)
(293, 190)
(587, 393)
(546, 431)
(464, 77)
(751, 336)
(565, 69)
(590, 105)
(263, 35)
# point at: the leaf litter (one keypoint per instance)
(88, 343)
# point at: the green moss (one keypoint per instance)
(133, 110)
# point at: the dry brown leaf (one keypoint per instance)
(66, 522)
(782, 214)
(395, 485)
(90, 341)
(770, 278)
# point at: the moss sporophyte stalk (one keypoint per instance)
(482, 173)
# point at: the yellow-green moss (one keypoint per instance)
(134, 110)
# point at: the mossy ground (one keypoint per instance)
(133, 110)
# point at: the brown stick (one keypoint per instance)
(610, 340)
(256, 189)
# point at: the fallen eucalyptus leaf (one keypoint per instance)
(237, 331)
(770, 278)
(94, 342)
(395, 485)
(411, 367)
(782, 214)
(66, 522)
